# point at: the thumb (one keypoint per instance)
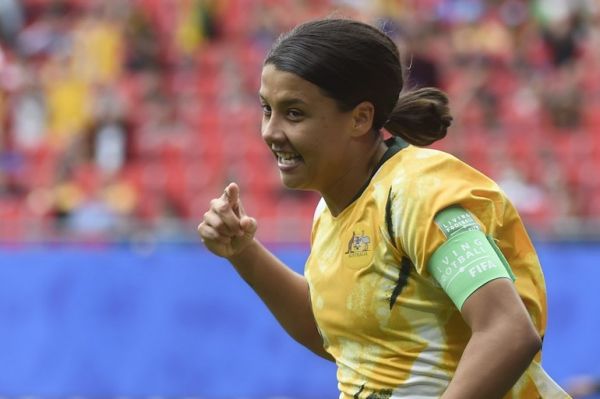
(249, 226)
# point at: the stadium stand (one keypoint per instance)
(118, 116)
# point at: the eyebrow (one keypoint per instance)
(286, 102)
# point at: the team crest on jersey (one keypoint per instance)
(358, 245)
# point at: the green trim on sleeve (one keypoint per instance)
(501, 257)
(468, 259)
(455, 219)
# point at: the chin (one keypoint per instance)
(293, 183)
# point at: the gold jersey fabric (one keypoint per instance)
(392, 330)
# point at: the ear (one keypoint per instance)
(362, 117)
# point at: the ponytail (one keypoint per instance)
(420, 117)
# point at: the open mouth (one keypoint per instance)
(287, 160)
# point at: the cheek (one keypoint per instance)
(327, 152)
(318, 141)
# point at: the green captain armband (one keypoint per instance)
(468, 259)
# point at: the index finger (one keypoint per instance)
(231, 194)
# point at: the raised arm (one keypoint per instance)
(228, 232)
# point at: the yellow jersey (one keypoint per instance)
(392, 330)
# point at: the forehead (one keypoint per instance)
(277, 85)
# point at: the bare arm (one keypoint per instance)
(228, 232)
(502, 345)
(284, 291)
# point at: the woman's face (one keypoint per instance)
(305, 130)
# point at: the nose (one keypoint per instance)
(271, 130)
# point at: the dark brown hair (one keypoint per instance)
(354, 62)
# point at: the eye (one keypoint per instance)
(295, 114)
(266, 109)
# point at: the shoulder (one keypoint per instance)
(423, 173)
(320, 208)
(423, 182)
(416, 161)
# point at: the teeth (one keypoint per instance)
(287, 156)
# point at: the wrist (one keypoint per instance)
(244, 254)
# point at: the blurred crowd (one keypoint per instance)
(124, 118)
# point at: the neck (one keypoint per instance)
(345, 189)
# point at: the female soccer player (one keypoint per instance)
(421, 280)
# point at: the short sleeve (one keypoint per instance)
(431, 188)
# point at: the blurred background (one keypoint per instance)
(120, 120)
